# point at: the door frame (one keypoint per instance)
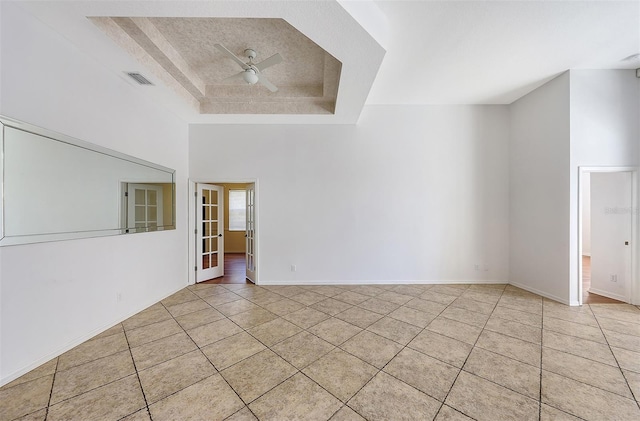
(633, 289)
(193, 207)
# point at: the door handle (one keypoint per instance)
(626, 243)
(219, 235)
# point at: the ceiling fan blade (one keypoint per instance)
(231, 55)
(268, 62)
(270, 86)
(236, 76)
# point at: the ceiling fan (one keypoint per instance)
(251, 72)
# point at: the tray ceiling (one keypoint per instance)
(180, 51)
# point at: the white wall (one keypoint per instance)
(605, 131)
(412, 193)
(55, 295)
(539, 190)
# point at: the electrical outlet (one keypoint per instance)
(476, 267)
(614, 278)
(118, 297)
(293, 268)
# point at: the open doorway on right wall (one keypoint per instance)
(608, 221)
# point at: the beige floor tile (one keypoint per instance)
(423, 372)
(272, 332)
(152, 332)
(242, 415)
(235, 307)
(627, 360)
(351, 297)
(40, 415)
(92, 350)
(413, 316)
(621, 312)
(449, 414)
(306, 317)
(25, 398)
(43, 370)
(109, 402)
(346, 414)
(295, 399)
(395, 330)
(514, 329)
(207, 290)
(386, 398)
(253, 318)
(340, 373)
(154, 314)
(461, 331)
(585, 401)
(574, 329)
(483, 296)
(569, 315)
(426, 306)
(111, 331)
(213, 332)
(82, 378)
(285, 290)
(473, 305)
(334, 331)
(448, 290)
(620, 340)
(220, 299)
(360, 317)
(522, 303)
(581, 347)
(586, 371)
(182, 296)
(372, 348)
(328, 290)
(397, 297)
(507, 372)
(331, 306)
(433, 295)
(199, 318)
(410, 290)
(508, 346)
(233, 349)
(302, 349)
(254, 376)
(141, 415)
(283, 306)
(196, 403)
(164, 379)
(465, 316)
(379, 306)
(441, 347)
(523, 317)
(483, 400)
(188, 307)
(633, 379)
(265, 298)
(370, 290)
(549, 413)
(162, 350)
(308, 298)
(620, 326)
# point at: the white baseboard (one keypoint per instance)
(382, 282)
(544, 294)
(77, 341)
(608, 294)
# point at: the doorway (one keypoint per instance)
(607, 230)
(223, 232)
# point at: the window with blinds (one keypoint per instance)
(237, 210)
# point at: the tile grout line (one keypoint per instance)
(617, 362)
(53, 381)
(133, 361)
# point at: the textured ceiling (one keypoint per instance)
(181, 52)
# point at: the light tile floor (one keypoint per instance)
(416, 352)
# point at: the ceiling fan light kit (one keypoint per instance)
(251, 72)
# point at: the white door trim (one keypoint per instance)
(193, 206)
(634, 289)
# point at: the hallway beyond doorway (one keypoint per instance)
(234, 270)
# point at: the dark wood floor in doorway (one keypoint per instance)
(587, 297)
(234, 270)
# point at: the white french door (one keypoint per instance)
(251, 232)
(209, 230)
(144, 207)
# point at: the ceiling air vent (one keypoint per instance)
(139, 78)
